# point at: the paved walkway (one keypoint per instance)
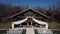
(30, 31)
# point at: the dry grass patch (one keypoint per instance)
(5, 25)
(54, 25)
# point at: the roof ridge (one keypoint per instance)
(28, 9)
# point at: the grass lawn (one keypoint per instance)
(24, 31)
(54, 25)
(2, 31)
(56, 31)
(35, 30)
(5, 25)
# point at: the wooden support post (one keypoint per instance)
(12, 25)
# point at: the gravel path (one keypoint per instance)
(30, 31)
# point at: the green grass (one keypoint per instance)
(56, 32)
(24, 31)
(35, 30)
(2, 31)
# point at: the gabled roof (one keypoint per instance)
(27, 10)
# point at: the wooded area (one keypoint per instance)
(7, 10)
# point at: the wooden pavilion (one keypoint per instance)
(29, 13)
